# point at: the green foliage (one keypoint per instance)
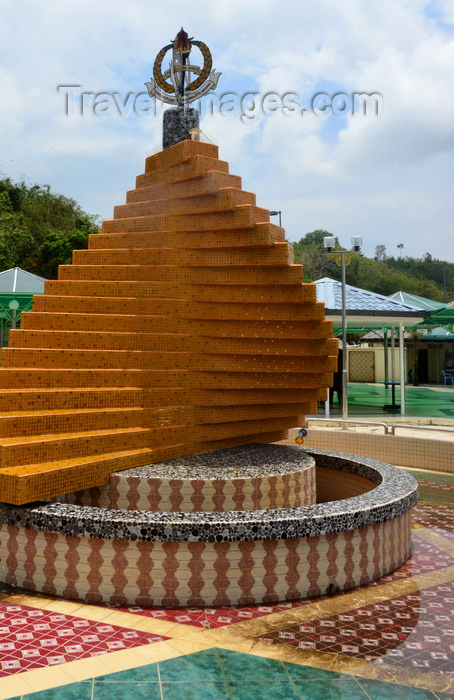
(316, 238)
(39, 229)
(426, 268)
(380, 278)
(380, 252)
(16, 242)
(385, 275)
(310, 252)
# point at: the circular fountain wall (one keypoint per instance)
(235, 526)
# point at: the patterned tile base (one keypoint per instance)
(31, 638)
(425, 558)
(407, 637)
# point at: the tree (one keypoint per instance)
(315, 262)
(310, 252)
(57, 248)
(39, 229)
(316, 237)
(430, 275)
(16, 242)
(380, 253)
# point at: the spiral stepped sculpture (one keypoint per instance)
(183, 328)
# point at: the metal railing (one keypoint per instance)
(441, 428)
(387, 429)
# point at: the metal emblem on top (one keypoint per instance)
(175, 86)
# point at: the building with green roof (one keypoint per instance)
(17, 288)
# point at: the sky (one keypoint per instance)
(286, 113)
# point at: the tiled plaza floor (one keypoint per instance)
(391, 639)
(428, 401)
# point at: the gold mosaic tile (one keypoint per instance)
(185, 315)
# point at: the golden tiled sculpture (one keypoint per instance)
(183, 328)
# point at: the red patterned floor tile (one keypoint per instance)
(436, 485)
(415, 630)
(32, 638)
(440, 519)
(210, 618)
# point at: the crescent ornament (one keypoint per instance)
(176, 85)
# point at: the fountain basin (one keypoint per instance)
(360, 532)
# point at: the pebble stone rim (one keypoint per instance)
(396, 493)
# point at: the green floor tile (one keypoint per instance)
(194, 667)
(432, 476)
(308, 673)
(369, 399)
(330, 690)
(218, 674)
(381, 690)
(126, 691)
(74, 691)
(270, 690)
(195, 691)
(245, 667)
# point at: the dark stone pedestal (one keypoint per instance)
(176, 124)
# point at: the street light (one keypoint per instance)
(343, 258)
(276, 213)
(443, 262)
(13, 305)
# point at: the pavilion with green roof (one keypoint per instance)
(17, 288)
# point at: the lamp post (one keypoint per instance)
(343, 258)
(444, 280)
(276, 213)
(13, 305)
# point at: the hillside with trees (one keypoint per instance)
(40, 229)
(383, 274)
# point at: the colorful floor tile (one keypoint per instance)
(393, 638)
(416, 629)
(32, 638)
(227, 675)
(440, 519)
(440, 487)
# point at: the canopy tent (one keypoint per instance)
(444, 316)
(441, 314)
(435, 333)
(432, 334)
